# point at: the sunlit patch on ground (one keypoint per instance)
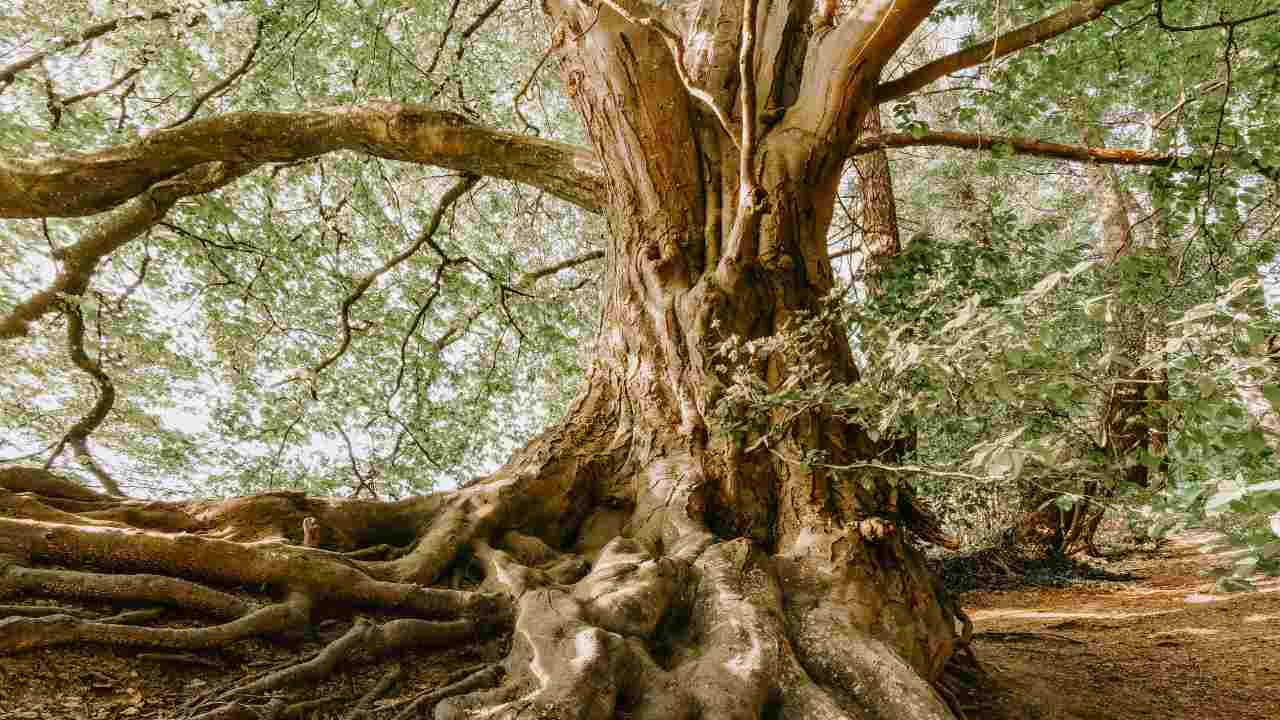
(1161, 646)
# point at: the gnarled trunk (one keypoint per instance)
(648, 564)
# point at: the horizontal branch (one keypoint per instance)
(1221, 24)
(1079, 13)
(533, 276)
(1019, 146)
(1040, 148)
(89, 183)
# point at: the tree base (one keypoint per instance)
(662, 621)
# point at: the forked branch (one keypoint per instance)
(364, 283)
(80, 261)
(10, 72)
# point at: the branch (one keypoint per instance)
(362, 286)
(533, 276)
(78, 436)
(444, 38)
(743, 242)
(84, 184)
(1020, 146)
(848, 62)
(675, 43)
(1039, 148)
(112, 85)
(80, 260)
(1221, 24)
(225, 82)
(10, 72)
(1079, 13)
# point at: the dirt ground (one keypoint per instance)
(1160, 646)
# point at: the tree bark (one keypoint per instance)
(879, 208)
(645, 562)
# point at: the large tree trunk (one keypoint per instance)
(650, 565)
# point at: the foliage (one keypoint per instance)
(210, 326)
(991, 344)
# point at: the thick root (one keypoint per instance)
(622, 606)
(660, 638)
(159, 589)
(25, 634)
(321, 575)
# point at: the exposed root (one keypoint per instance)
(183, 658)
(486, 677)
(393, 637)
(17, 479)
(635, 609)
(25, 634)
(314, 669)
(159, 589)
(390, 679)
(321, 575)
(40, 611)
(133, 617)
(381, 551)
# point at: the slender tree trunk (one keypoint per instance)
(881, 237)
(1127, 423)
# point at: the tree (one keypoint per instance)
(649, 558)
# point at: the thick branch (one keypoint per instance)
(1079, 13)
(842, 66)
(675, 43)
(89, 183)
(79, 261)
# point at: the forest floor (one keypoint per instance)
(1157, 645)
(1072, 645)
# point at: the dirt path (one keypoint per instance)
(1157, 647)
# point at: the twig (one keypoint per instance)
(225, 82)
(1223, 24)
(8, 73)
